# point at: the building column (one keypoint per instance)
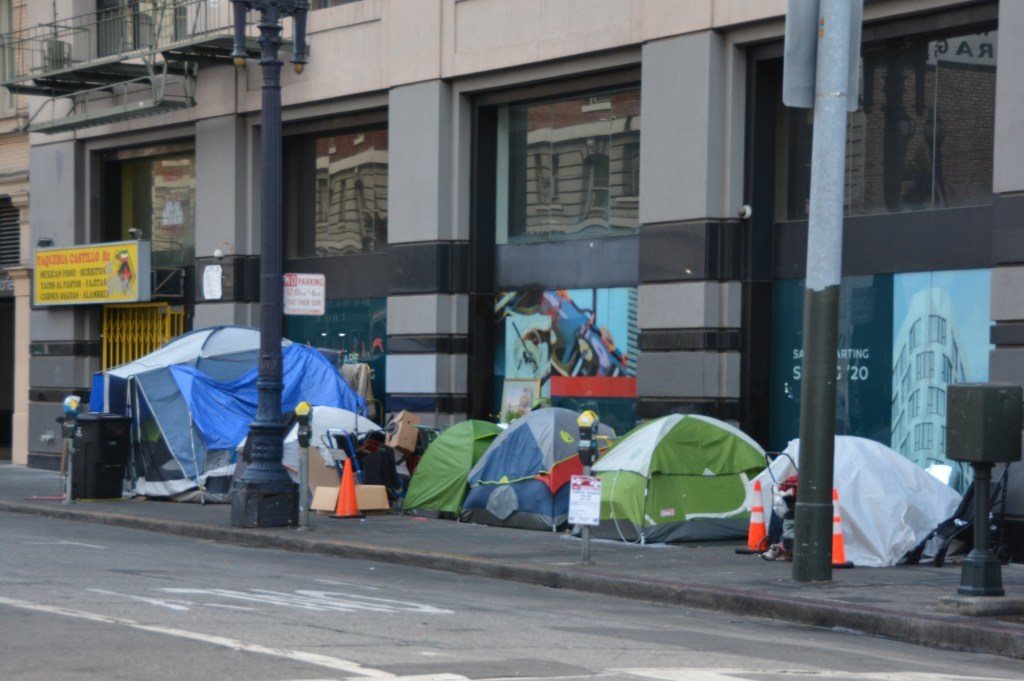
(428, 308)
(64, 342)
(690, 252)
(221, 210)
(1006, 361)
(22, 277)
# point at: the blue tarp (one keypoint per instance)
(223, 411)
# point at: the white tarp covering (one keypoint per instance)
(322, 420)
(886, 503)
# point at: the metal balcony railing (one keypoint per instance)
(138, 30)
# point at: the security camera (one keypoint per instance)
(218, 253)
(746, 211)
(135, 232)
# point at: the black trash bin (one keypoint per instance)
(101, 449)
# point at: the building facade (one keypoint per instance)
(15, 254)
(514, 199)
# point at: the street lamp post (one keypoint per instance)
(264, 495)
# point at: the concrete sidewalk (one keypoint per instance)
(900, 603)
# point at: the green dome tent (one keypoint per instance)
(439, 483)
(677, 478)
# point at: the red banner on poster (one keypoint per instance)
(593, 386)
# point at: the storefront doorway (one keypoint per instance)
(6, 376)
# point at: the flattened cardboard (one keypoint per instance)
(371, 498)
(325, 500)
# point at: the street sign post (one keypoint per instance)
(823, 39)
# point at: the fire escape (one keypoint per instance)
(127, 59)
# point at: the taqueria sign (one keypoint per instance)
(116, 272)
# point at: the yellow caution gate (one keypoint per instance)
(131, 331)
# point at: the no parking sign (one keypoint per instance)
(584, 500)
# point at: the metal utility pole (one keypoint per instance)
(837, 35)
(265, 494)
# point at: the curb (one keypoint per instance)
(949, 632)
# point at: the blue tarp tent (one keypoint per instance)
(192, 401)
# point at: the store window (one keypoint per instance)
(885, 349)
(324, 4)
(336, 193)
(155, 195)
(355, 328)
(922, 138)
(568, 168)
(573, 348)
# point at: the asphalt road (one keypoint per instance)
(81, 601)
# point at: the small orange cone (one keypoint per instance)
(757, 531)
(348, 505)
(838, 550)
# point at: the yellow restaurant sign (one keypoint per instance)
(116, 272)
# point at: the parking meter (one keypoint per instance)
(588, 422)
(983, 428)
(69, 427)
(302, 413)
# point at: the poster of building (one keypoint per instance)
(863, 362)
(940, 336)
(902, 340)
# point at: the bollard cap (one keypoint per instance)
(303, 408)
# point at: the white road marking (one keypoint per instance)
(316, 601)
(64, 542)
(709, 674)
(225, 606)
(180, 606)
(333, 582)
(315, 659)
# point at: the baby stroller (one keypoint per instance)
(956, 534)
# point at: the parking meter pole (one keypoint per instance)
(69, 425)
(587, 423)
(981, 574)
(302, 413)
(304, 489)
(69, 449)
(585, 535)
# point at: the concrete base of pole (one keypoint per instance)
(981, 574)
(264, 505)
(982, 606)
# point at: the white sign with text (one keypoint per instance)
(585, 500)
(305, 294)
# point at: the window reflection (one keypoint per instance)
(568, 168)
(923, 136)
(157, 196)
(336, 194)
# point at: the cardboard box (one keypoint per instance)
(325, 500)
(402, 431)
(371, 498)
(320, 474)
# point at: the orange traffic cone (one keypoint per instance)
(348, 505)
(757, 531)
(838, 550)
